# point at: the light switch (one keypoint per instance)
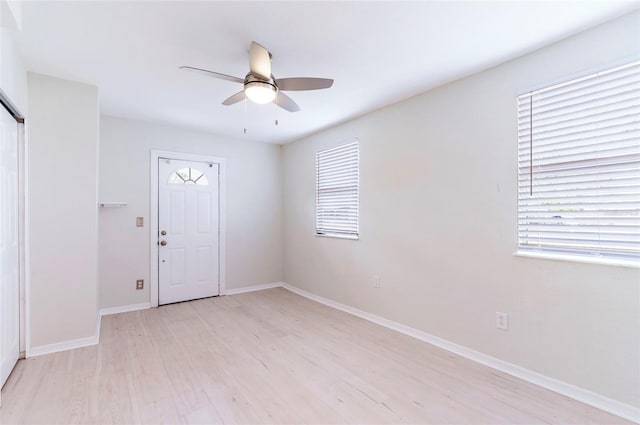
(139, 221)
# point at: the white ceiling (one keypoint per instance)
(377, 52)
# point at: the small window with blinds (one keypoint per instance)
(337, 186)
(579, 167)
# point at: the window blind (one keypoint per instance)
(579, 166)
(337, 181)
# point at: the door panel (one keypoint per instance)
(177, 267)
(188, 203)
(9, 246)
(176, 212)
(204, 212)
(204, 266)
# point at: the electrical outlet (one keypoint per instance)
(376, 281)
(502, 321)
(139, 284)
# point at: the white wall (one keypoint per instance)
(62, 197)
(13, 77)
(253, 205)
(11, 14)
(438, 225)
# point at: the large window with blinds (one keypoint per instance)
(337, 191)
(579, 167)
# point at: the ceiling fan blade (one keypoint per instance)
(299, 83)
(259, 61)
(213, 74)
(235, 98)
(285, 102)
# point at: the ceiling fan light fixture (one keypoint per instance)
(260, 92)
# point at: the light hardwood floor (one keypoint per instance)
(269, 357)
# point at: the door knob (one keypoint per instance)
(163, 243)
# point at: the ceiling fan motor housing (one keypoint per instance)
(250, 78)
(260, 90)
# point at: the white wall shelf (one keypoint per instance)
(112, 204)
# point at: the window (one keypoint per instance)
(579, 167)
(337, 185)
(188, 176)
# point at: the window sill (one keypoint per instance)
(579, 259)
(338, 236)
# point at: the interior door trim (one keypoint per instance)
(155, 155)
(11, 107)
(23, 288)
(23, 249)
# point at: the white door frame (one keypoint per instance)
(23, 318)
(22, 234)
(153, 221)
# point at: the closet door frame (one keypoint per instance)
(5, 102)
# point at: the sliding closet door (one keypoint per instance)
(9, 246)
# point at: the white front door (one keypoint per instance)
(188, 230)
(9, 246)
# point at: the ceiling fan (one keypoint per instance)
(261, 86)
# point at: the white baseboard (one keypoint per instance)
(87, 341)
(601, 402)
(124, 309)
(254, 288)
(67, 345)
(98, 327)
